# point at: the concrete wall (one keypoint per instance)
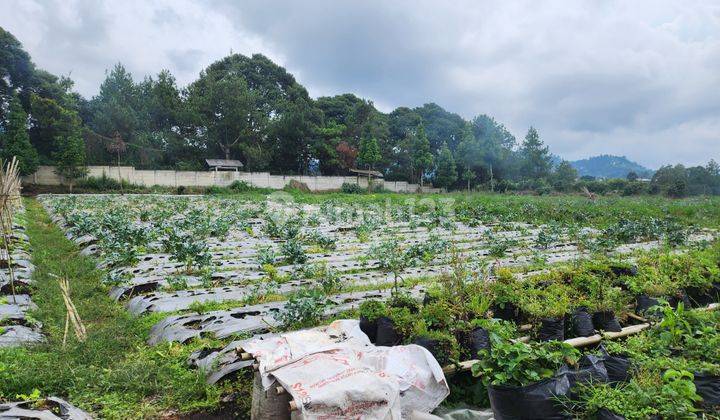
(45, 175)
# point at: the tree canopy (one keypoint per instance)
(251, 109)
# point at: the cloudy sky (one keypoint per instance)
(634, 78)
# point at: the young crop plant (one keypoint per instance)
(304, 309)
(186, 249)
(519, 364)
(265, 255)
(294, 252)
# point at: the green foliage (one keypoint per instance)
(185, 248)
(372, 309)
(421, 157)
(351, 188)
(535, 156)
(446, 172)
(70, 158)
(15, 141)
(520, 364)
(114, 374)
(369, 153)
(564, 177)
(294, 252)
(649, 394)
(303, 309)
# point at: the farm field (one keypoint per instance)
(169, 287)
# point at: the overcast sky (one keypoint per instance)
(634, 78)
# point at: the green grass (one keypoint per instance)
(114, 374)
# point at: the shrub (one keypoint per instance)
(520, 364)
(350, 188)
(241, 187)
(372, 309)
(304, 309)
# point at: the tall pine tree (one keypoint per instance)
(70, 155)
(536, 162)
(15, 140)
(446, 172)
(422, 158)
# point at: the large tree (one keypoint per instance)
(224, 112)
(70, 157)
(446, 171)
(369, 154)
(15, 141)
(536, 163)
(421, 156)
(16, 70)
(120, 108)
(564, 176)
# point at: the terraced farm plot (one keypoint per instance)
(207, 275)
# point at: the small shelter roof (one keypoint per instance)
(224, 164)
(366, 172)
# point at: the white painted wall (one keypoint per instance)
(45, 175)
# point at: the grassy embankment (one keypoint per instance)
(114, 374)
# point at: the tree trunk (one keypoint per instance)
(368, 187)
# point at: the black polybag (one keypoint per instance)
(620, 270)
(434, 347)
(700, 297)
(534, 401)
(605, 414)
(508, 312)
(644, 302)
(606, 321)
(679, 297)
(387, 335)
(552, 329)
(617, 367)
(708, 387)
(479, 340)
(591, 369)
(369, 328)
(581, 323)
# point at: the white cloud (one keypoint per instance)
(636, 78)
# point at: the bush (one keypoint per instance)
(241, 187)
(104, 183)
(350, 188)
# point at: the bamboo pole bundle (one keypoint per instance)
(9, 203)
(72, 316)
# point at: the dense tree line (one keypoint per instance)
(251, 109)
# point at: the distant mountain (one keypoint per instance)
(607, 166)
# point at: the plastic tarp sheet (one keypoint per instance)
(335, 371)
(49, 409)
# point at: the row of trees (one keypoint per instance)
(251, 109)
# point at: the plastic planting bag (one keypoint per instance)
(552, 329)
(581, 323)
(590, 369)
(535, 401)
(708, 387)
(386, 334)
(479, 340)
(617, 367)
(644, 302)
(606, 321)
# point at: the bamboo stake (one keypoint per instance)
(9, 202)
(72, 316)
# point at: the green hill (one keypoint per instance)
(607, 166)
